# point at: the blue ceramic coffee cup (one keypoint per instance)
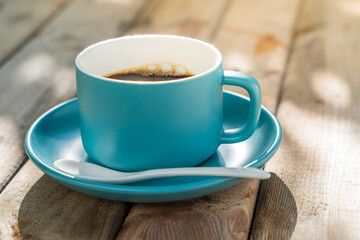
(138, 125)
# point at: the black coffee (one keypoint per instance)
(152, 73)
(140, 77)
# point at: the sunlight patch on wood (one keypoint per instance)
(120, 2)
(350, 7)
(331, 88)
(34, 67)
(238, 61)
(64, 82)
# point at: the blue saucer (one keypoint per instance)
(56, 134)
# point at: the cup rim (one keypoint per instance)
(210, 46)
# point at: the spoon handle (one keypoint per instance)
(93, 172)
(239, 172)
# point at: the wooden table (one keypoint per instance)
(306, 57)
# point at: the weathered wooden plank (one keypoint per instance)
(42, 74)
(36, 207)
(276, 211)
(49, 60)
(38, 77)
(246, 38)
(319, 111)
(197, 19)
(19, 20)
(222, 215)
(254, 38)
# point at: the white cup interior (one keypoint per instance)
(126, 52)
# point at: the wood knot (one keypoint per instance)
(266, 43)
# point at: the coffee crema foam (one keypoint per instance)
(170, 71)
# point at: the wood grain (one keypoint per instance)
(38, 77)
(20, 20)
(42, 74)
(34, 206)
(198, 19)
(256, 42)
(276, 208)
(228, 213)
(320, 114)
(215, 216)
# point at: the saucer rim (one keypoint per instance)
(211, 182)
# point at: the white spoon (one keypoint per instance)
(96, 173)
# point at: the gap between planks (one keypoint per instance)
(317, 166)
(27, 97)
(217, 211)
(202, 34)
(13, 50)
(46, 99)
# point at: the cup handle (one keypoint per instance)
(253, 88)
